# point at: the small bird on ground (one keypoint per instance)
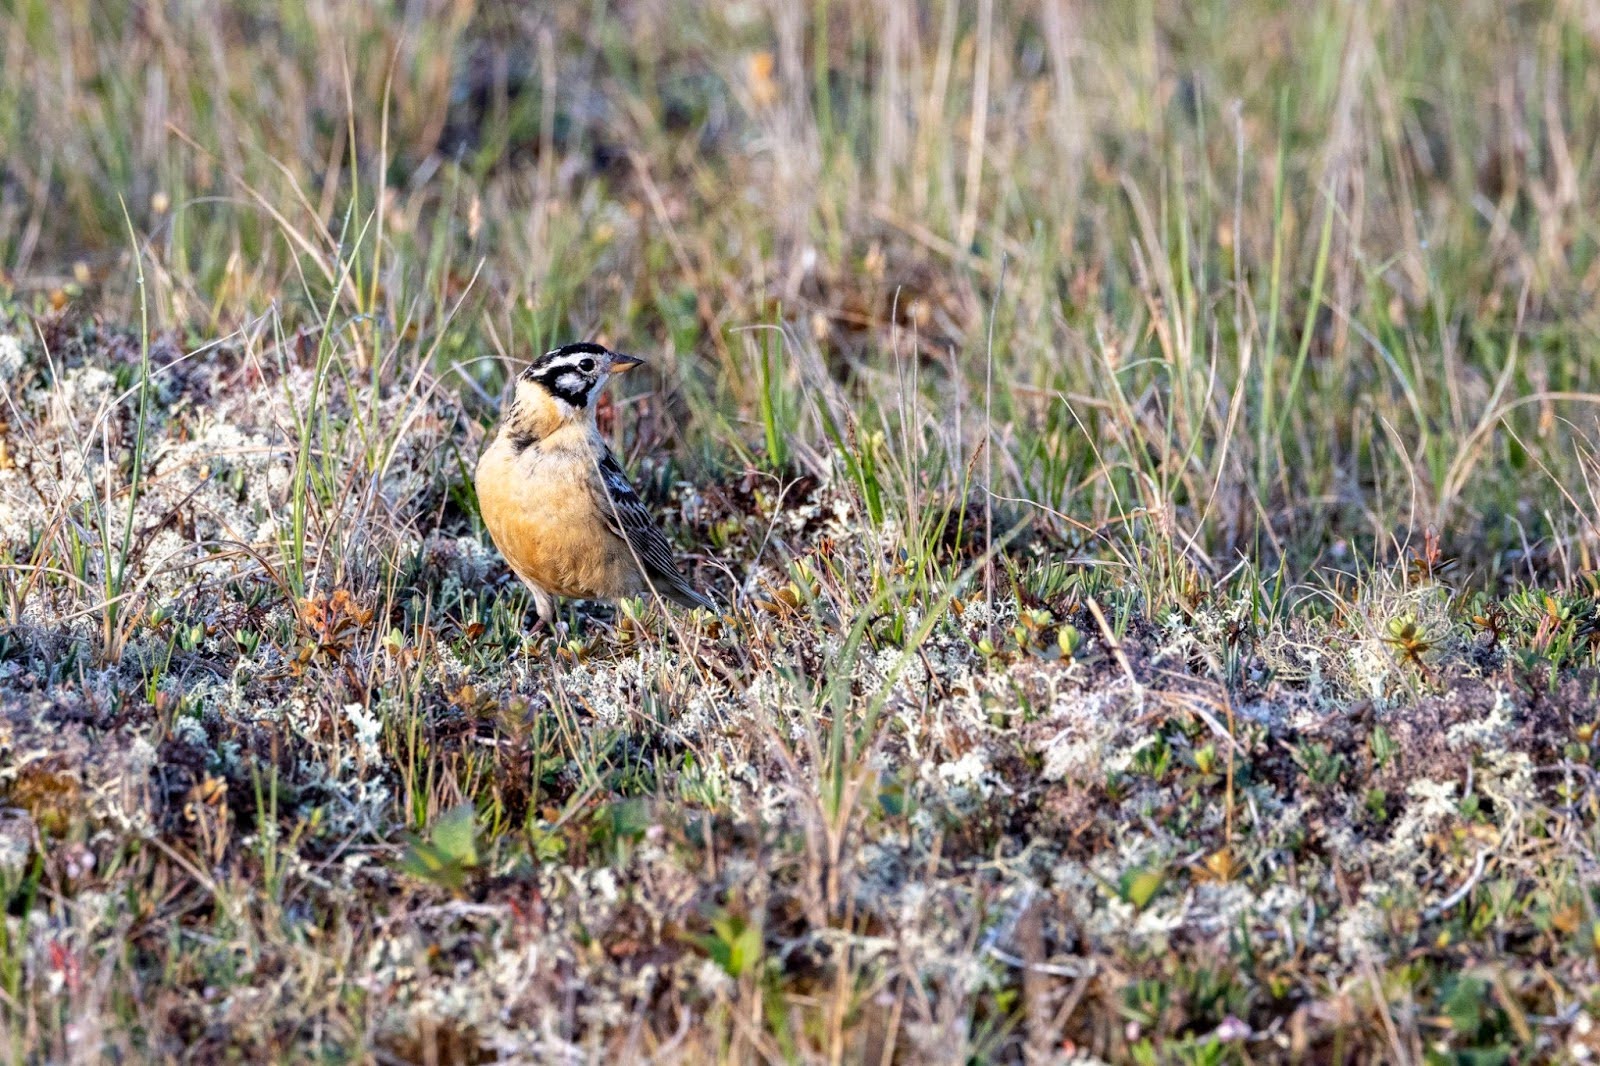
(557, 503)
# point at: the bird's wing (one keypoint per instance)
(629, 519)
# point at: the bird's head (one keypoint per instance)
(570, 377)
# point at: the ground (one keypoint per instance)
(1147, 457)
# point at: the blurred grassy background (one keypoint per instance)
(1257, 312)
(1250, 282)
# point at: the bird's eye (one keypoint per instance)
(586, 366)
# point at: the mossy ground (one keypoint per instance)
(1148, 455)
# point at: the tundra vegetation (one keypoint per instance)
(1148, 452)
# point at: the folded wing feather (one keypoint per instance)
(631, 520)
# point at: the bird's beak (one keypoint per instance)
(620, 362)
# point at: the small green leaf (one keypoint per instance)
(450, 855)
(1139, 887)
(427, 863)
(1383, 746)
(734, 944)
(455, 834)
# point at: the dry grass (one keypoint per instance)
(1149, 453)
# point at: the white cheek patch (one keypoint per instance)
(571, 383)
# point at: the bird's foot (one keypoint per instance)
(546, 631)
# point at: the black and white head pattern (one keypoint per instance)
(571, 373)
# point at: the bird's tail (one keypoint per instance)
(688, 597)
(676, 589)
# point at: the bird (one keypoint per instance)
(557, 503)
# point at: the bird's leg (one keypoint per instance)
(546, 606)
